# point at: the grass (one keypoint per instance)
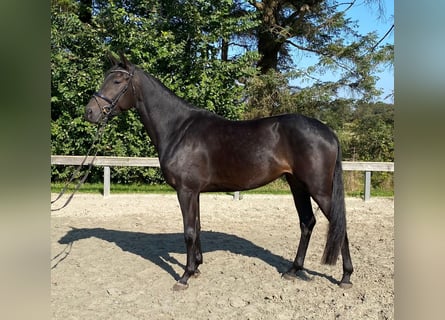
(276, 187)
(116, 188)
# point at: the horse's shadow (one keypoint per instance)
(157, 247)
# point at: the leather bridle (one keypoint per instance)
(107, 109)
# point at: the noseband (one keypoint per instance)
(107, 109)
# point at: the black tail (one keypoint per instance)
(337, 217)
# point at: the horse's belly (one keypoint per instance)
(244, 176)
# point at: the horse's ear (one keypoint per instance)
(114, 61)
(124, 61)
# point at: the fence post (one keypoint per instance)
(106, 181)
(367, 185)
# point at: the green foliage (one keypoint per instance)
(269, 94)
(365, 130)
(373, 127)
(178, 42)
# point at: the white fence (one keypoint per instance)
(108, 162)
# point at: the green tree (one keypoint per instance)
(199, 73)
(76, 62)
(373, 133)
(232, 57)
(369, 136)
(148, 34)
(319, 28)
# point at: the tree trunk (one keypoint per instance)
(85, 9)
(271, 37)
(268, 48)
(224, 50)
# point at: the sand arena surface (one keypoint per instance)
(118, 258)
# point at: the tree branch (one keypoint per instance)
(305, 49)
(325, 54)
(386, 34)
(350, 4)
(256, 4)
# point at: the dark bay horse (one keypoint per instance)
(201, 152)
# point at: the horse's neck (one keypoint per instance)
(161, 112)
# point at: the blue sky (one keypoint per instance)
(368, 20)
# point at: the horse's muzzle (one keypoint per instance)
(92, 114)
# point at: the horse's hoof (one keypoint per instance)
(180, 286)
(345, 285)
(300, 274)
(289, 276)
(196, 274)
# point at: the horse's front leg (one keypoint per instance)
(198, 250)
(189, 202)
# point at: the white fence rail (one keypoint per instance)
(107, 162)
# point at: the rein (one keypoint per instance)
(106, 110)
(97, 138)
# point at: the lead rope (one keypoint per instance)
(107, 111)
(97, 138)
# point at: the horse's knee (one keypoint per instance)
(190, 235)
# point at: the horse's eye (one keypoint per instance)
(117, 81)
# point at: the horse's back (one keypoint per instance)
(300, 127)
(279, 139)
(219, 154)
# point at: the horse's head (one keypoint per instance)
(116, 93)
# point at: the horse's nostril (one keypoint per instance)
(88, 113)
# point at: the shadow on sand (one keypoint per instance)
(158, 246)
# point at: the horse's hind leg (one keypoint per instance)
(325, 203)
(303, 204)
(347, 265)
